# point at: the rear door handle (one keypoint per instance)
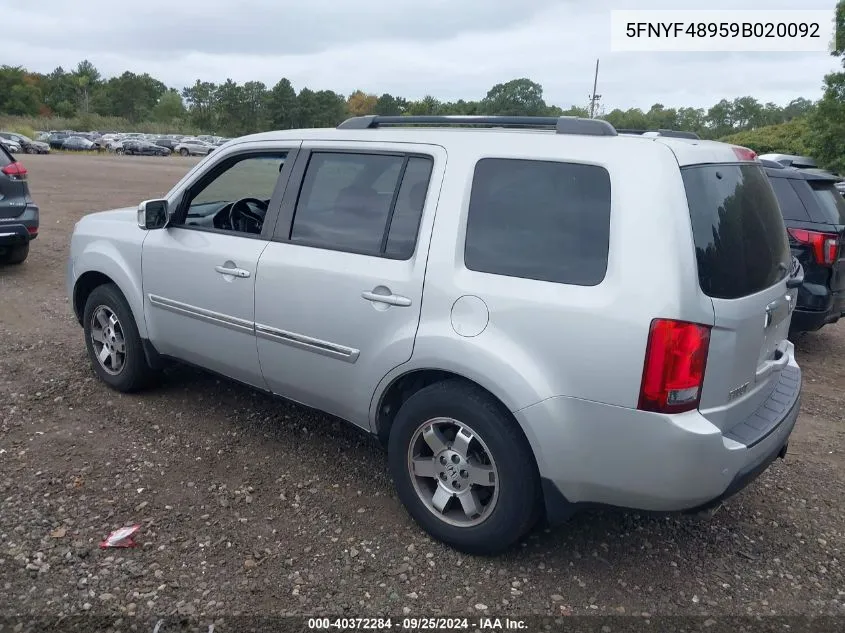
(235, 272)
(391, 300)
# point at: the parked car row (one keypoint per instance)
(17, 143)
(130, 143)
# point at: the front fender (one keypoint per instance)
(121, 265)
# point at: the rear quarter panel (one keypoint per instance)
(545, 339)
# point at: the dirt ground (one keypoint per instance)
(250, 505)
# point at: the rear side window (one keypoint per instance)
(541, 220)
(362, 203)
(790, 204)
(830, 200)
(5, 157)
(740, 237)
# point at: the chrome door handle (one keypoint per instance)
(235, 272)
(391, 300)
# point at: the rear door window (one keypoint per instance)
(541, 220)
(830, 200)
(740, 238)
(790, 204)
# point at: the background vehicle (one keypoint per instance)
(18, 212)
(27, 144)
(814, 214)
(57, 139)
(450, 291)
(192, 147)
(13, 147)
(78, 144)
(142, 148)
(165, 141)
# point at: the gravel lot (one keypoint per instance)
(250, 505)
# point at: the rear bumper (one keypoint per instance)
(17, 230)
(594, 454)
(817, 306)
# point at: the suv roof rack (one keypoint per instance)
(663, 132)
(561, 125)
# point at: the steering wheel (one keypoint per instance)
(247, 215)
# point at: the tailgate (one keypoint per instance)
(831, 206)
(743, 260)
(13, 192)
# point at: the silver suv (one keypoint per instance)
(531, 320)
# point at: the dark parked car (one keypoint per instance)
(165, 141)
(57, 139)
(27, 144)
(142, 148)
(814, 214)
(78, 144)
(18, 212)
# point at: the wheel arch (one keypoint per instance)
(102, 267)
(400, 388)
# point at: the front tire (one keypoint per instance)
(15, 254)
(113, 343)
(463, 468)
(184, 152)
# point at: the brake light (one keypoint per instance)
(825, 245)
(33, 230)
(675, 360)
(15, 171)
(743, 153)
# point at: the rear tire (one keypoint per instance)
(109, 325)
(184, 152)
(15, 254)
(498, 455)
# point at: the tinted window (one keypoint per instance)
(356, 202)
(830, 200)
(539, 220)
(405, 223)
(740, 238)
(788, 200)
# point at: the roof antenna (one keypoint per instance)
(594, 98)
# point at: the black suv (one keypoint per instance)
(814, 214)
(18, 212)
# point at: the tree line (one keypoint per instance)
(234, 109)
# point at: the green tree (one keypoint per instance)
(59, 92)
(427, 105)
(720, 118)
(129, 96)
(827, 121)
(255, 107)
(201, 99)
(229, 108)
(281, 105)
(306, 109)
(169, 108)
(18, 92)
(85, 78)
(387, 106)
(516, 97)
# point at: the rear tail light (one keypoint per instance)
(675, 360)
(15, 171)
(743, 153)
(825, 245)
(33, 230)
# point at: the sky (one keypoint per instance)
(450, 49)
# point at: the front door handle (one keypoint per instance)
(234, 272)
(391, 300)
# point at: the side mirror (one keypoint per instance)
(152, 214)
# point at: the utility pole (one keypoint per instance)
(594, 98)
